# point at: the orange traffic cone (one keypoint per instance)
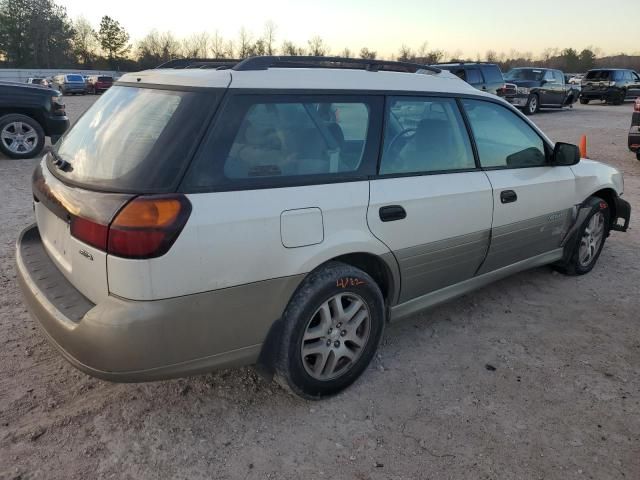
(583, 147)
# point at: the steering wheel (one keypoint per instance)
(404, 134)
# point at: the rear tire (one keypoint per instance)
(619, 100)
(20, 136)
(533, 105)
(331, 330)
(591, 239)
(584, 101)
(638, 155)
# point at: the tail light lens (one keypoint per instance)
(146, 227)
(636, 106)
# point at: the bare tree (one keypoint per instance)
(270, 38)
(317, 47)
(406, 54)
(368, 54)
(289, 48)
(244, 49)
(218, 49)
(346, 53)
(491, 56)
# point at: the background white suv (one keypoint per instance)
(282, 210)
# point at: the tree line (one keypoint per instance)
(40, 34)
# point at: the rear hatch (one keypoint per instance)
(131, 143)
(596, 80)
(104, 82)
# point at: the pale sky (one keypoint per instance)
(468, 26)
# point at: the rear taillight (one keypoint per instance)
(636, 106)
(146, 227)
(90, 232)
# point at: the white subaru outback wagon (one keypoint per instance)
(280, 211)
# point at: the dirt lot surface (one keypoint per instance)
(563, 401)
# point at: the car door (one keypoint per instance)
(549, 90)
(532, 200)
(634, 88)
(430, 204)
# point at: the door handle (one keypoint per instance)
(391, 213)
(508, 196)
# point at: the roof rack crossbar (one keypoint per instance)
(266, 62)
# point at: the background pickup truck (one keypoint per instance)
(28, 114)
(538, 88)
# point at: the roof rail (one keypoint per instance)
(266, 62)
(217, 63)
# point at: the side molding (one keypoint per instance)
(439, 296)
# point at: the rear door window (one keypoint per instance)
(287, 139)
(134, 139)
(598, 75)
(424, 135)
(474, 77)
(492, 74)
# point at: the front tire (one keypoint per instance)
(533, 105)
(591, 239)
(638, 155)
(20, 136)
(331, 330)
(584, 101)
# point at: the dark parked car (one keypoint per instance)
(70, 83)
(634, 131)
(538, 88)
(483, 76)
(99, 83)
(613, 85)
(28, 114)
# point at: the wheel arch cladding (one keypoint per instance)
(609, 195)
(377, 268)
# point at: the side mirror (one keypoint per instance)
(565, 154)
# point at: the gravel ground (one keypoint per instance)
(563, 400)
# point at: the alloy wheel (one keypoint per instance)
(335, 336)
(591, 239)
(19, 137)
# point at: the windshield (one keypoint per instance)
(75, 78)
(530, 74)
(134, 139)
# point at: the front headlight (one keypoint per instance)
(523, 90)
(57, 105)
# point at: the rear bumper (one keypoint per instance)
(600, 94)
(130, 341)
(519, 100)
(55, 126)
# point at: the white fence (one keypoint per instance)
(22, 74)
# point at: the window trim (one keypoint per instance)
(382, 95)
(364, 172)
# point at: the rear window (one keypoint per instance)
(492, 74)
(285, 140)
(105, 79)
(134, 139)
(75, 78)
(530, 74)
(599, 75)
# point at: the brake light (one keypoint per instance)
(90, 232)
(636, 106)
(146, 227)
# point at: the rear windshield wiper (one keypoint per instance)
(60, 162)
